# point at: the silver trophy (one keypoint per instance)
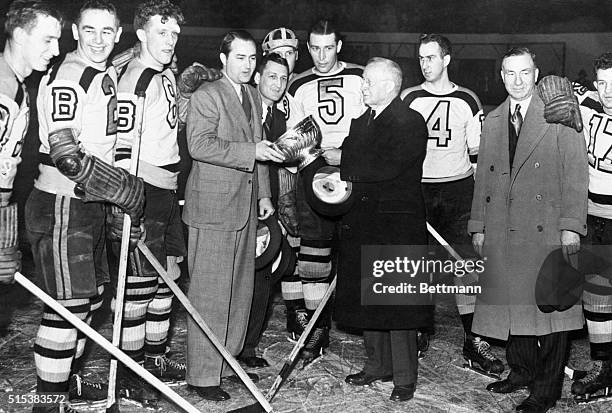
(301, 143)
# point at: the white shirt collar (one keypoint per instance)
(237, 87)
(264, 111)
(380, 109)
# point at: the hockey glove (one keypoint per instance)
(560, 104)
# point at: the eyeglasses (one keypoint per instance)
(369, 83)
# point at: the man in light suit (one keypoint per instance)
(530, 198)
(224, 137)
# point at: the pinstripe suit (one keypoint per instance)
(221, 212)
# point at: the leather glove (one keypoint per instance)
(114, 220)
(560, 104)
(192, 77)
(287, 213)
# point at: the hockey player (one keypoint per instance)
(284, 42)
(148, 300)
(33, 29)
(331, 93)
(453, 115)
(596, 110)
(77, 110)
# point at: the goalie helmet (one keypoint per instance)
(278, 38)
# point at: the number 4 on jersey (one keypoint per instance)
(437, 123)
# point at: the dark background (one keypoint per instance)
(378, 22)
(447, 16)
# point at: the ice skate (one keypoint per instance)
(167, 370)
(596, 385)
(477, 354)
(315, 345)
(297, 319)
(422, 343)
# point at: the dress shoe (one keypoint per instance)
(534, 405)
(362, 378)
(254, 362)
(403, 392)
(235, 379)
(505, 386)
(214, 393)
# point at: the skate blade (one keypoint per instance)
(481, 371)
(592, 399)
(601, 396)
(174, 383)
(98, 405)
(307, 363)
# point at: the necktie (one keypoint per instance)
(246, 103)
(371, 117)
(267, 125)
(517, 119)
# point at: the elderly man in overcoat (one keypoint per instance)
(226, 191)
(530, 198)
(383, 158)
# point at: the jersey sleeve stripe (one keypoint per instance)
(469, 99)
(88, 76)
(299, 82)
(144, 80)
(593, 105)
(600, 198)
(55, 69)
(418, 93)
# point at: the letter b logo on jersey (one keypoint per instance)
(126, 116)
(64, 104)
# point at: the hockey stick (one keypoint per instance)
(202, 324)
(443, 242)
(289, 361)
(123, 257)
(104, 343)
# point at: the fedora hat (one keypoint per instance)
(325, 192)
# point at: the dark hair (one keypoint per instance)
(226, 43)
(602, 62)
(272, 57)
(97, 5)
(445, 44)
(323, 27)
(24, 13)
(163, 8)
(519, 51)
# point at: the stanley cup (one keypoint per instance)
(301, 143)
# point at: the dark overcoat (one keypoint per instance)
(522, 211)
(384, 162)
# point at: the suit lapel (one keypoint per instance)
(532, 132)
(235, 108)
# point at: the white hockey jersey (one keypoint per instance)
(159, 151)
(74, 95)
(14, 118)
(598, 137)
(454, 122)
(333, 99)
